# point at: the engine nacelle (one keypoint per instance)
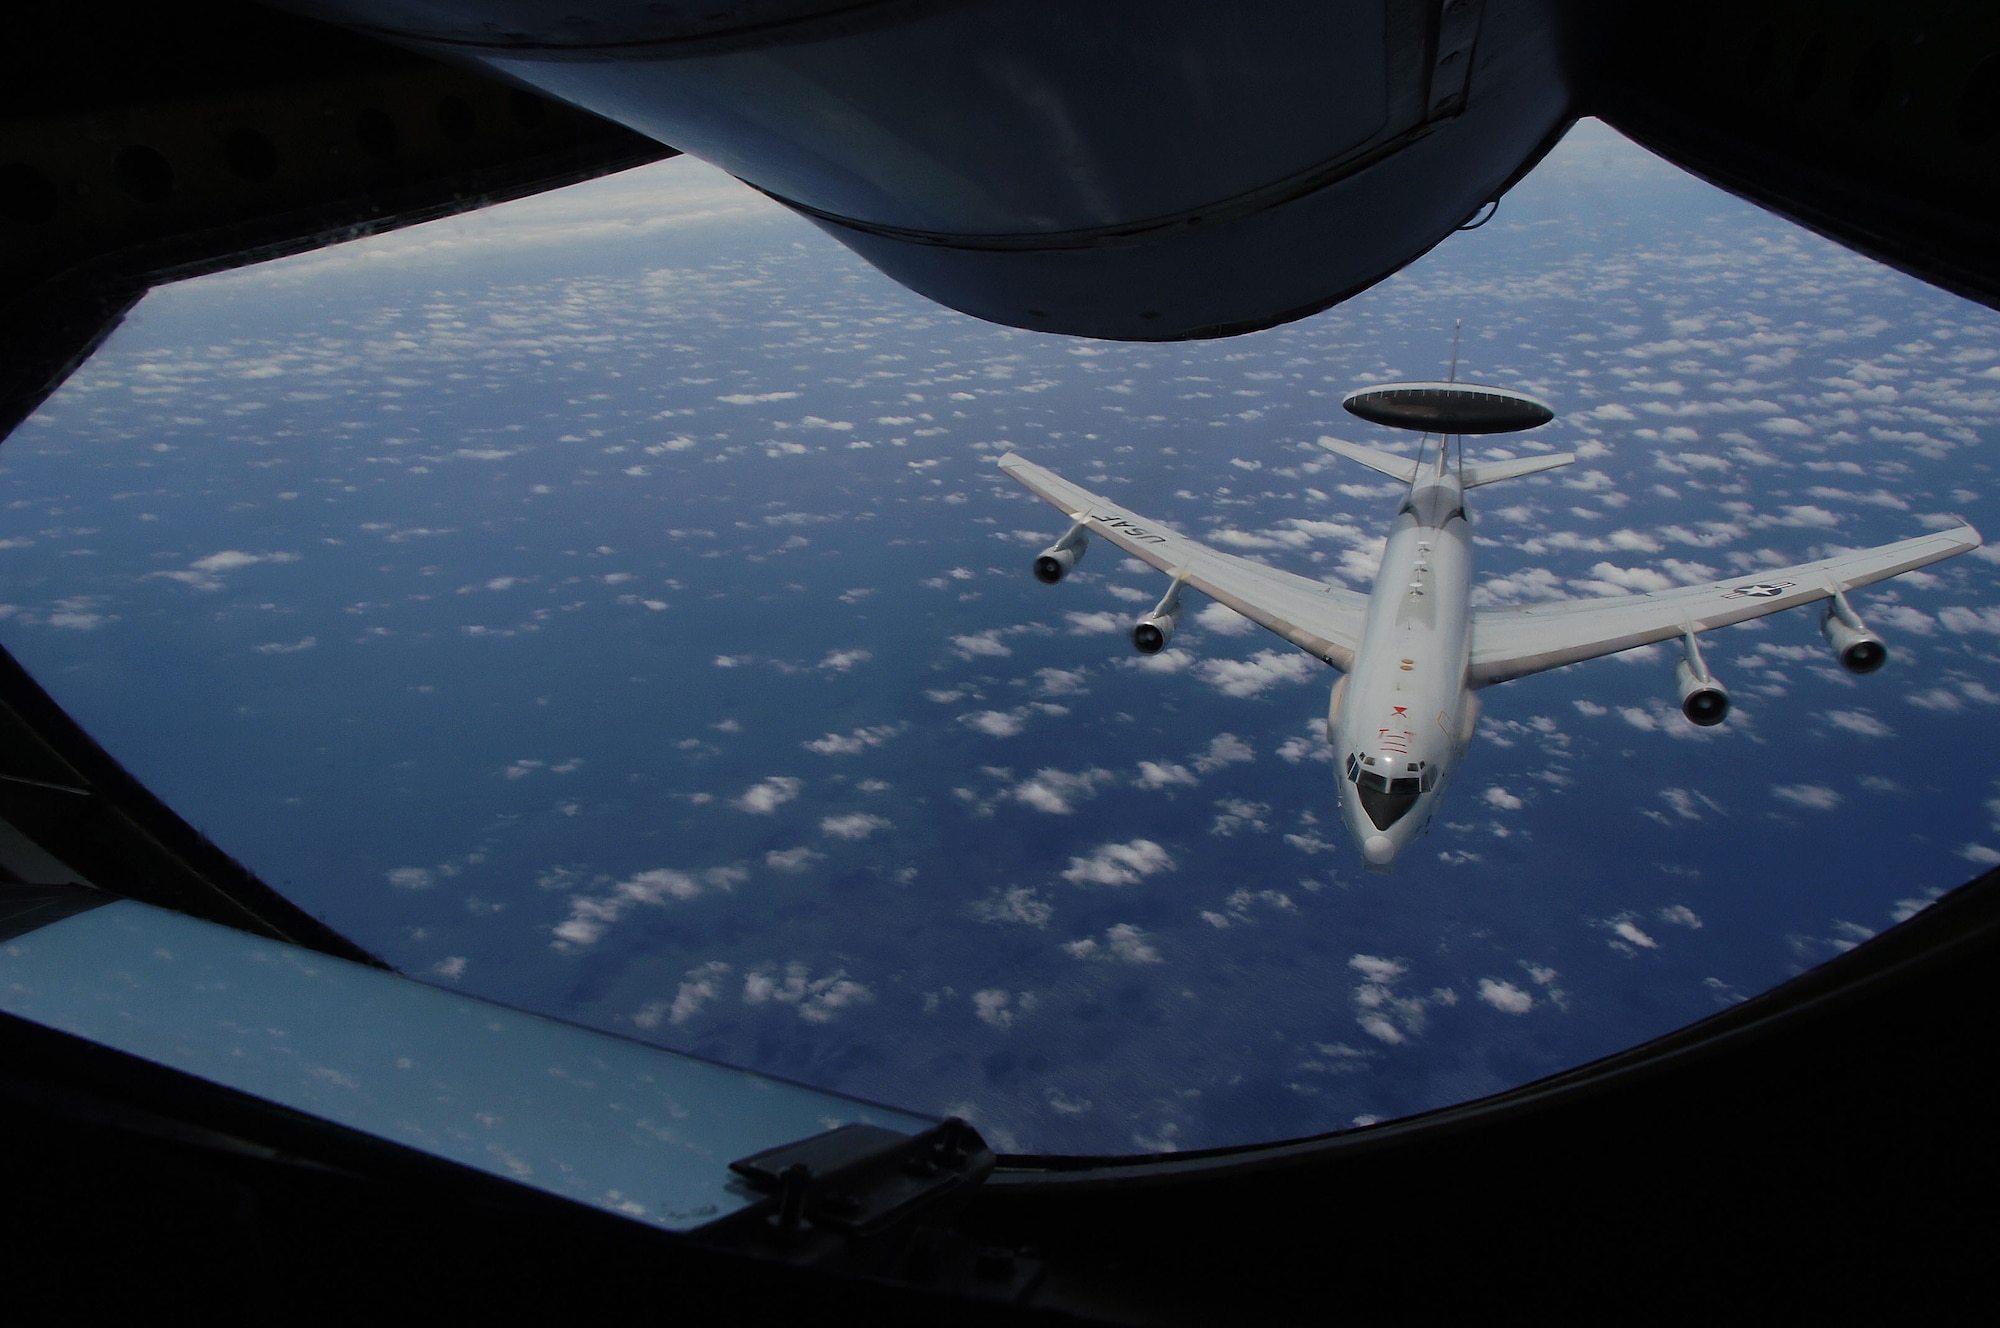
(1152, 632)
(1858, 649)
(1055, 563)
(1059, 559)
(1704, 700)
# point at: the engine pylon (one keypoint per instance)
(1152, 632)
(1858, 649)
(1704, 700)
(1059, 559)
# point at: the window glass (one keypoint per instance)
(1385, 807)
(607, 604)
(600, 1120)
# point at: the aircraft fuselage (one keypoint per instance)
(1413, 650)
(1403, 716)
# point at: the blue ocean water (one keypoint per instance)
(608, 605)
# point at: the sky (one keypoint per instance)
(607, 604)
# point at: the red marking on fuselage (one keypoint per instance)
(1402, 712)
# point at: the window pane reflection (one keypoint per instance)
(607, 605)
(628, 1128)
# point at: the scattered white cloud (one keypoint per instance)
(1093, 624)
(1061, 682)
(1263, 670)
(850, 744)
(1963, 620)
(1119, 864)
(1160, 774)
(1505, 996)
(766, 797)
(1122, 941)
(1310, 747)
(1859, 722)
(1680, 915)
(1223, 749)
(699, 986)
(996, 723)
(1381, 1011)
(207, 573)
(1689, 804)
(1234, 814)
(976, 645)
(1377, 969)
(818, 1000)
(1223, 620)
(855, 825)
(590, 916)
(1020, 903)
(1171, 660)
(1057, 791)
(1628, 932)
(1812, 797)
(791, 859)
(991, 1006)
(840, 661)
(411, 878)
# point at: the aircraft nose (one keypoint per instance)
(1380, 850)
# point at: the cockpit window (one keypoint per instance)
(608, 605)
(1386, 806)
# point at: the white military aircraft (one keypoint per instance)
(1415, 652)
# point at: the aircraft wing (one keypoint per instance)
(1321, 619)
(1515, 641)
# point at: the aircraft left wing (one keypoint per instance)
(1518, 640)
(1323, 620)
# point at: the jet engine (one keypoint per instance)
(1152, 632)
(1056, 562)
(1858, 649)
(1704, 700)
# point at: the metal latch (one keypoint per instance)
(875, 1201)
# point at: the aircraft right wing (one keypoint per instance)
(1521, 639)
(1323, 620)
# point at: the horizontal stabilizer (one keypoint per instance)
(1492, 472)
(1395, 467)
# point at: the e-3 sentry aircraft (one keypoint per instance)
(1414, 653)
